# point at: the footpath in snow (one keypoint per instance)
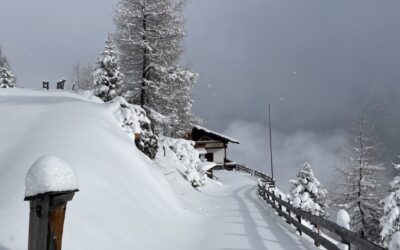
(237, 219)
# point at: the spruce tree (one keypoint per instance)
(7, 79)
(3, 60)
(107, 75)
(307, 193)
(358, 189)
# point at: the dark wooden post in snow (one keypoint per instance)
(45, 85)
(50, 183)
(60, 84)
(46, 219)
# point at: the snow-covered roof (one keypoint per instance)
(50, 174)
(201, 151)
(206, 165)
(227, 138)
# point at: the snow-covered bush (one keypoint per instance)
(7, 79)
(390, 221)
(189, 157)
(135, 123)
(107, 77)
(307, 193)
(147, 143)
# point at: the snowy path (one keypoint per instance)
(239, 220)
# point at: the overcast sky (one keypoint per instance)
(311, 57)
(316, 61)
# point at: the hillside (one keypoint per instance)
(126, 201)
(123, 195)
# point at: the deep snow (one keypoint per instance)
(126, 201)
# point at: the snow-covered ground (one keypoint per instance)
(126, 201)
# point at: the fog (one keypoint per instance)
(290, 151)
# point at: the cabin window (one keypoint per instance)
(210, 157)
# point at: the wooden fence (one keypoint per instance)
(295, 216)
(266, 179)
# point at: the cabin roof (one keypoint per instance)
(214, 135)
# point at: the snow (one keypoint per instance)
(185, 154)
(206, 165)
(395, 242)
(343, 219)
(126, 201)
(216, 133)
(50, 174)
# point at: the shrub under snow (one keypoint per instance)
(134, 121)
(307, 192)
(189, 157)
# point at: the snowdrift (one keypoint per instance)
(124, 201)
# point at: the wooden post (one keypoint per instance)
(280, 206)
(299, 220)
(45, 85)
(60, 84)
(46, 219)
(288, 211)
(225, 146)
(316, 243)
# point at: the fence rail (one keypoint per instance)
(295, 215)
(267, 179)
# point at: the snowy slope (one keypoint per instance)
(124, 202)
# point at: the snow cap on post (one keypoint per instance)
(50, 174)
(343, 219)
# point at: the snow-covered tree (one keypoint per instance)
(149, 36)
(7, 79)
(83, 76)
(357, 188)
(107, 75)
(307, 193)
(177, 100)
(3, 60)
(390, 221)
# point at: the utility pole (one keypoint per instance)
(270, 140)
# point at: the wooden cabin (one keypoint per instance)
(212, 147)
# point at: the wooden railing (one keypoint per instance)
(265, 178)
(295, 216)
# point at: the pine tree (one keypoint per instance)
(359, 191)
(307, 193)
(3, 60)
(149, 36)
(107, 76)
(7, 79)
(390, 221)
